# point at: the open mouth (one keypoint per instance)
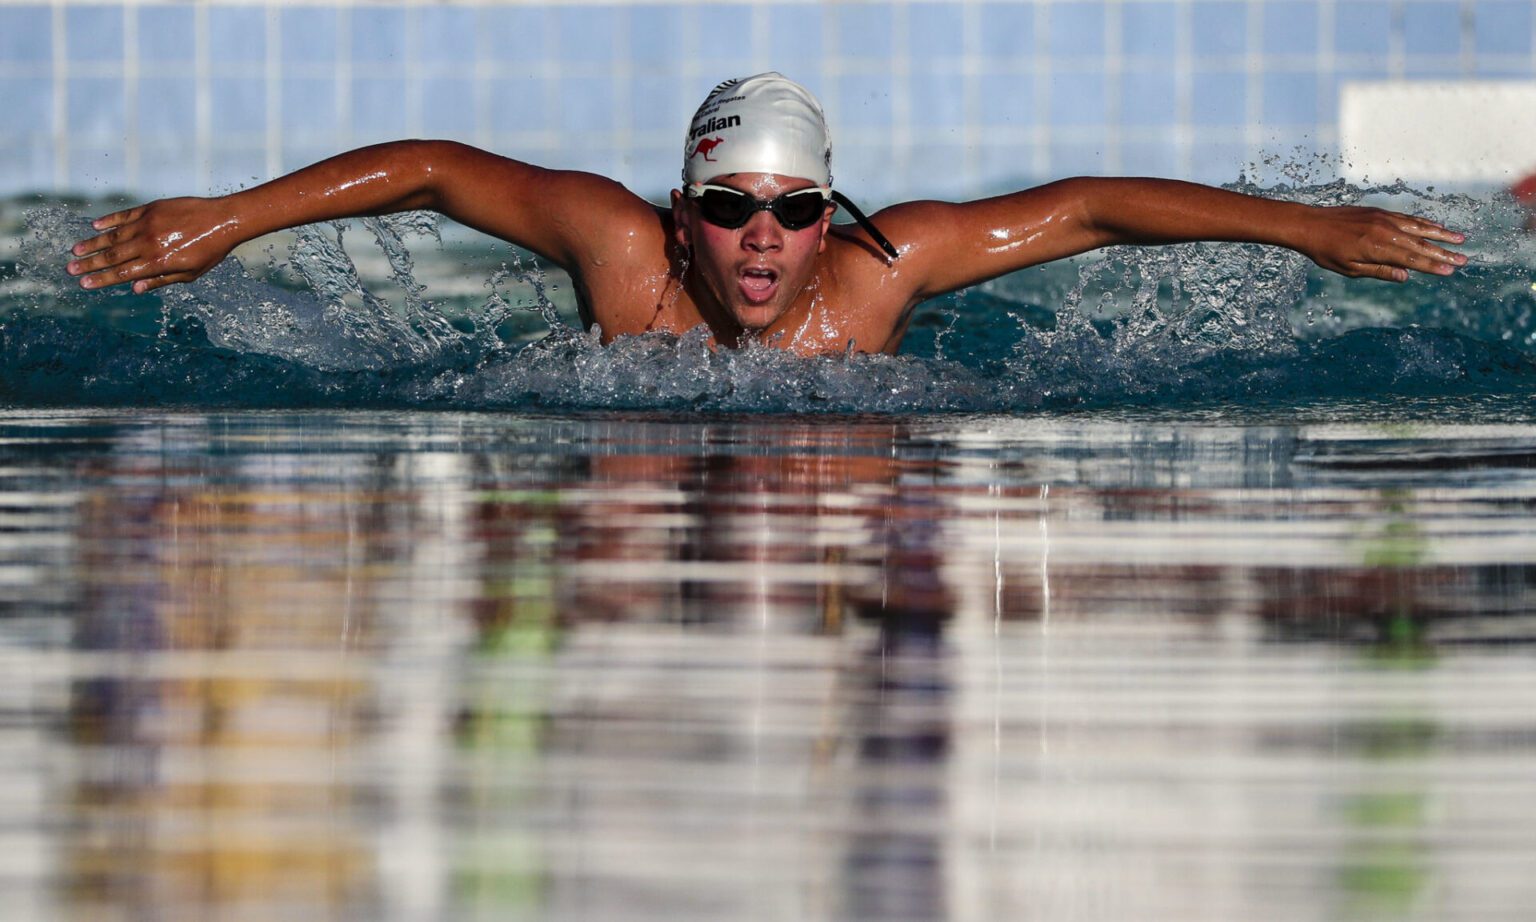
(758, 283)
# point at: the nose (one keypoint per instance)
(762, 233)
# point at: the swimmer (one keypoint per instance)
(747, 245)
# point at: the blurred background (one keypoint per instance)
(943, 99)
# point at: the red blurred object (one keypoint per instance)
(1525, 190)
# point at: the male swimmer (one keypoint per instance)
(747, 245)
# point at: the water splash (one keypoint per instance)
(1183, 325)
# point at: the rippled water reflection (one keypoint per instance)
(406, 666)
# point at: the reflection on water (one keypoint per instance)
(410, 666)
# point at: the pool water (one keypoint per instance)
(1169, 585)
(372, 664)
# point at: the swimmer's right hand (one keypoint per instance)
(165, 241)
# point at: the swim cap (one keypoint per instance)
(762, 124)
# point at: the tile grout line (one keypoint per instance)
(60, 51)
(273, 87)
(1183, 88)
(1253, 74)
(131, 140)
(1114, 39)
(970, 136)
(901, 103)
(1044, 76)
(202, 94)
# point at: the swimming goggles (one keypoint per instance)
(732, 208)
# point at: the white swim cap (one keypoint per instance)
(762, 124)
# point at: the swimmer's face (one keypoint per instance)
(756, 271)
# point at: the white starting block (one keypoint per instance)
(1449, 131)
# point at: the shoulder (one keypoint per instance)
(916, 220)
(570, 217)
(913, 228)
(632, 233)
(623, 268)
(945, 246)
(603, 224)
(875, 294)
(590, 199)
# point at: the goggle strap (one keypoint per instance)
(865, 223)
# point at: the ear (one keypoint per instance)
(826, 225)
(682, 230)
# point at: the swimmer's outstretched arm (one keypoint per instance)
(953, 246)
(560, 215)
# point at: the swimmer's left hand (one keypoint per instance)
(1374, 243)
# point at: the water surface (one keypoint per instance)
(409, 665)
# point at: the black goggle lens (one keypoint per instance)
(731, 209)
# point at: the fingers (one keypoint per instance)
(1423, 229)
(127, 271)
(103, 259)
(1429, 230)
(102, 241)
(1379, 271)
(1441, 261)
(1418, 254)
(119, 217)
(1405, 244)
(114, 276)
(1420, 262)
(117, 226)
(1436, 232)
(1393, 267)
(161, 281)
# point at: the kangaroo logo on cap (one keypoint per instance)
(705, 147)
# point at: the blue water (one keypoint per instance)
(1196, 326)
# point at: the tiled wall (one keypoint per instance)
(925, 97)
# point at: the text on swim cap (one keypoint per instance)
(714, 124)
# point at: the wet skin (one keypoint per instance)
(637, 267)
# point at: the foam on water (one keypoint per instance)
(1174, 326)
